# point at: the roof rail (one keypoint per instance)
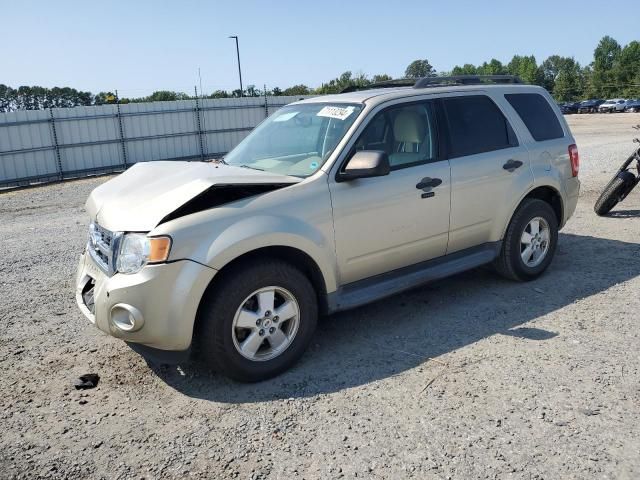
(400, 82)
(465, 80)
(436, 81)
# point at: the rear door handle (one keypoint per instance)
(512, 165)
(428, 182)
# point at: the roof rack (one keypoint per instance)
(465, 80)
(400, 82)
(425, 82)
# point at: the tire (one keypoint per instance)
(219, 343)
(615, 191)
(510, 263)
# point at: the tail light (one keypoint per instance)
(575, 160)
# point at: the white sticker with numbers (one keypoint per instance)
(339, 113)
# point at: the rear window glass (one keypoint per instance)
(537, 115)
(476, 125)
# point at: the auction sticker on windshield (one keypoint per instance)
(340, 113)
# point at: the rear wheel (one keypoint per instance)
(257, 321)
(616, 191)
(530, 242)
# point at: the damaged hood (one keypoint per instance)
(142, 196)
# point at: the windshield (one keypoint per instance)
(296, 140)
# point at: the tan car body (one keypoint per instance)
(348, 232)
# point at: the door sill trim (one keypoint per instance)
(374, 288)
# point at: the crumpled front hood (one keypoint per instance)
(139, 198)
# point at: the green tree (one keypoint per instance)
(603, 78)
(381, 77)
(605, 54)
(219, 94)
(626, 70)
(494, 67)
(526, 68)
(564, 77)
(550, 69)
(466, 69)
(569, 82)
(297, 90)
(104, 98)
(7, 98)
(166, 96)
(346, 79)
(419, 69)
(252, 91)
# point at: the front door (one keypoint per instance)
(385, 223)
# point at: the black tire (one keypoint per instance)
(615, 191)
(509, 263)
(214, 333)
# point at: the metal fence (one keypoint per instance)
(60, 143)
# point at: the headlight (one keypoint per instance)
(136, 250)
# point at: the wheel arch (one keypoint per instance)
(546, 193)
(294, 256)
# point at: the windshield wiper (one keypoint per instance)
(216, 160)
(252, 168)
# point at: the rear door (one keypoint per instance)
(489, 169)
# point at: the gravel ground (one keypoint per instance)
(471, 377)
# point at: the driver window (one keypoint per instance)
(406, 133)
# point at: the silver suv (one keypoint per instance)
(330, 203)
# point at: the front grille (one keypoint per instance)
(101, 247)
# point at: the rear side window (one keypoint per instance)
(537, 115)
(476, 125)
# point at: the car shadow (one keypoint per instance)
(402, 332)
(624, 214)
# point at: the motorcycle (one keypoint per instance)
(621, 184)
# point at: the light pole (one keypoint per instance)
(239, 70)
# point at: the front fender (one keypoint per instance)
(254, 233)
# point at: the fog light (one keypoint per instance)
(126, 318)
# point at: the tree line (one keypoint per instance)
(613, 72)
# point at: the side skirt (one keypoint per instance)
(384, 285)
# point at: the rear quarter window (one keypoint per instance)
(476, 125)
(537, 115)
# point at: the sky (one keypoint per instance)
(139, 46)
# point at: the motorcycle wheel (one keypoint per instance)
(616, 191)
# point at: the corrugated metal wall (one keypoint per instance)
(47, 145)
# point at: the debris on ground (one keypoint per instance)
(87, 381)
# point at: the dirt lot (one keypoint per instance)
(472, 377)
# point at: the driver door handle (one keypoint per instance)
(512, 165)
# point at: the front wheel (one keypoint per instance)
(257, 320)
(530, 241)
(616, 191)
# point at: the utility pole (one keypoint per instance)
(239, 69)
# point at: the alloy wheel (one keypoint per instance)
(534, 242)
(266, 323)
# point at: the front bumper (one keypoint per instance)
(164, 300)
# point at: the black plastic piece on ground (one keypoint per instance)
(86, 381)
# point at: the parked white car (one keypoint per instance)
(613, 105)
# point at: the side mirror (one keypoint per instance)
(365, 164)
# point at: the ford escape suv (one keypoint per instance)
(330, 203)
